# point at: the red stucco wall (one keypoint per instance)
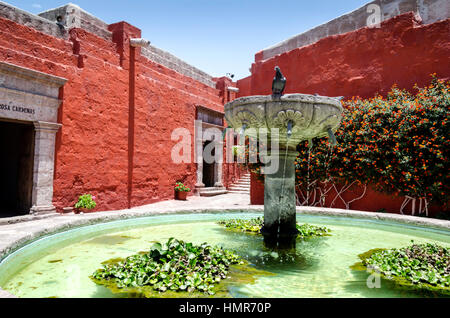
(94, 148)
(245, 86)
(359, 63)
(362, 62)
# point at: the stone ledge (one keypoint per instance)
(428, 11)
(25, 218)
(174, 63)
(30, 20)
(396, 218)
(75, 17)
(30, 74)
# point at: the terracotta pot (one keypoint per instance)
(81, 210)
(180, 196)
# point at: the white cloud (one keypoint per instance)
(36, 5)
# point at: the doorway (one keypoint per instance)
(16, 168)
(209, 179)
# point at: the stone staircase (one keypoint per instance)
(241, 186)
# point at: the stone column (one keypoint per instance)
(219, 165)
(44, 162)
(280, 229)
(199, 155)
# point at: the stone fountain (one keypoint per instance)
(287, 120)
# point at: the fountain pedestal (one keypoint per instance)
(280, 231)
(282, 123)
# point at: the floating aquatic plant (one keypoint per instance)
(424, 266)
(254, 226)
(172, 267)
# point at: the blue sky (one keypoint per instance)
(217, 36)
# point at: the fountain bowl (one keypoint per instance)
(311, 116)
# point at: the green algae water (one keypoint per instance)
(60, 265)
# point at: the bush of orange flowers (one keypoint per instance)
(399, 144)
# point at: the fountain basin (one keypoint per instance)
(311, 116)
(59, 264)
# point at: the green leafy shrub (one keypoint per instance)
(86, 201)
(399, 144)
(419, 265)
(180, 187)
(172, 266)
(255, 225)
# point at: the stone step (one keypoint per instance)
(234, 187)
(241, 186)
(242, 183)
(213, 193)
(239, 189)
(211, 189)
(239, 192)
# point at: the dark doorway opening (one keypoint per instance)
(209, 170)
(16, 168)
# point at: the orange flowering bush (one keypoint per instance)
(399, 144)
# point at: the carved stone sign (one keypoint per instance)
(17, 109)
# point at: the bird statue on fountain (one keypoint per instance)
(278, 84)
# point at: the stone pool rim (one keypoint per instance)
(46, 227)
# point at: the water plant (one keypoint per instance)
(424, 266)
(174, 266)
(254, 226)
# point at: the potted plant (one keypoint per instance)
(85, 203)
(181, 191)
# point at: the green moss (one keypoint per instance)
(253, 226)
(424, 267)
(176, 269)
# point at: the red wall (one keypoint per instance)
(115, 141)
(362, 62)
(372, 200)
(245, 86)
(359, 63)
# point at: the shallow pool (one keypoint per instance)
(59, 265)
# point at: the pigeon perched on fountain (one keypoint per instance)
(278, 84)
